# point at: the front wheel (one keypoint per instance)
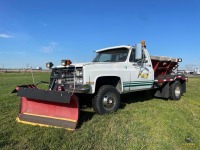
(175, 91)
(107, 100)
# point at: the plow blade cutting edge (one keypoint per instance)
(48, 108)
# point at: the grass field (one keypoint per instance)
(142, 122)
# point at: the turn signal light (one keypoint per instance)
(49, 65)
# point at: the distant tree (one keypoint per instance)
(3, 67)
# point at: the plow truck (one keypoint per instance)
(114, 71)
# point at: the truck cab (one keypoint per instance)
(123, 64)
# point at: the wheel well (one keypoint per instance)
(108, 80)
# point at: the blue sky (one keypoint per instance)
(33, 32)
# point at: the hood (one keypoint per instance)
(86, 64)
(92, 63)
(81, 64)
(75, 65)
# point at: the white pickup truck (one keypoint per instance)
(114, 71)
(122, 69)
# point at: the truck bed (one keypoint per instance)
(163, 65)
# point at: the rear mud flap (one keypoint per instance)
(48, 108)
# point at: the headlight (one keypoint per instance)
(79, 75)
(79, 72)
(59, 81)
(79, 80)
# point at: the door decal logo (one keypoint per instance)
(143, 73)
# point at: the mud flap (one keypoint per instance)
(48, 108)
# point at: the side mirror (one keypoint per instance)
(138, 51)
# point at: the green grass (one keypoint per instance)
(142, 122)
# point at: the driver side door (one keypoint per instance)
(141, 72)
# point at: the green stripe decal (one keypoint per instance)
(137, 83)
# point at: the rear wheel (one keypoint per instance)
(175, 91)
(107, 100)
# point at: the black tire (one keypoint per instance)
(107, 100)
(175, 91)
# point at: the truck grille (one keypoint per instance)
(65, 76)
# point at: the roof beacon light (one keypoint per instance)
(66, 62)
(179, 59)
(143, 43)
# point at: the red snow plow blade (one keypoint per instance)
(48, 108)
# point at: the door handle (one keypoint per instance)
(134, 64)
(148, 65)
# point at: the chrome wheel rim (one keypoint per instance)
(177, 91)
(108, 100)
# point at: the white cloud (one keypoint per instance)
(51, 47)
(6, 36)
(22, 53)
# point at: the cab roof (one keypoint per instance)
(114, 47)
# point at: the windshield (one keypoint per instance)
(113, 55)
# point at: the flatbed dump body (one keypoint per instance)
(163, 65)
(165, 78)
